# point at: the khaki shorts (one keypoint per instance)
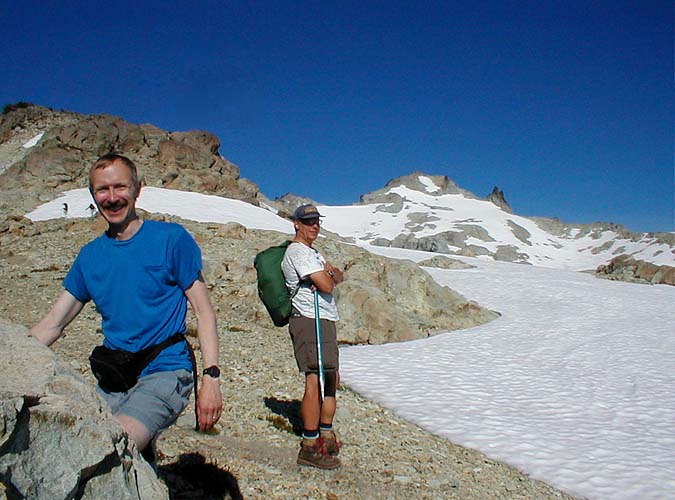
(303, 335)
(156, 400)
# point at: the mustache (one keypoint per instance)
(113, 205)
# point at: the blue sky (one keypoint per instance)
(567, 106)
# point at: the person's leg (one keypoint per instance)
(312, 451)
(310, 408)
(331, 358)
(326, 431)
(151, 405)
(329, 404)
(138, 432)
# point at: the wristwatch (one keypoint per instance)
(212, 371)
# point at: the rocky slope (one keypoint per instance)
(252, 455)
(45, 152)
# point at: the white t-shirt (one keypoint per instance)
(299, 262)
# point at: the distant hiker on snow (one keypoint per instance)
(306, 268)
(141, 275)
(65, 209)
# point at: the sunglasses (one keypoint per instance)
(310, 222)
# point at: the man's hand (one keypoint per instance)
(334, 273)
(209, 402)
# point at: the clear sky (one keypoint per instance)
(567, 106)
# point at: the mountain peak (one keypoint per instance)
(497, 197)
(435, 185)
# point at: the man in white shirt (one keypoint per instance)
(306, 271)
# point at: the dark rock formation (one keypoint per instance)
(497, 197)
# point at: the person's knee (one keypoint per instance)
(135, 429)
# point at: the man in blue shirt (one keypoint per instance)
(141, 275)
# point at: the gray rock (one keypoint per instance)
(520, 232)
(58, 439)
(389, 203)
(445, 263)
(443, 184)
(509, 253)
(428, 243)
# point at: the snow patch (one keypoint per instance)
(33, 141)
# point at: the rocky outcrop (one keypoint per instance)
(383, 300)
(445, 263)
(626, 268)
(58, 439)
(252, 452)
(497, 197)
(437, 243)
(69, 142)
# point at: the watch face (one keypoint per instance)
(212, 371)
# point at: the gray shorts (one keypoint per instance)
(156, 400)
(303, 335)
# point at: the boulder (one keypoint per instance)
(626, 268)
(58, 439)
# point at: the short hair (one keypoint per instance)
(110, 158)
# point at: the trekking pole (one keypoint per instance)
(317, 323)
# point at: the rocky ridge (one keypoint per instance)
(499, 199)
(66, 143)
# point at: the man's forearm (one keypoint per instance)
(207, 331)
(207, 334)
(61, 314)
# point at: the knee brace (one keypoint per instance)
(330, 384)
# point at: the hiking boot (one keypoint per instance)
(313, 453)
(331, 443)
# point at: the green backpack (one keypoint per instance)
(271, 283)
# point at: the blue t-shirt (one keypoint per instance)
(138, 287)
